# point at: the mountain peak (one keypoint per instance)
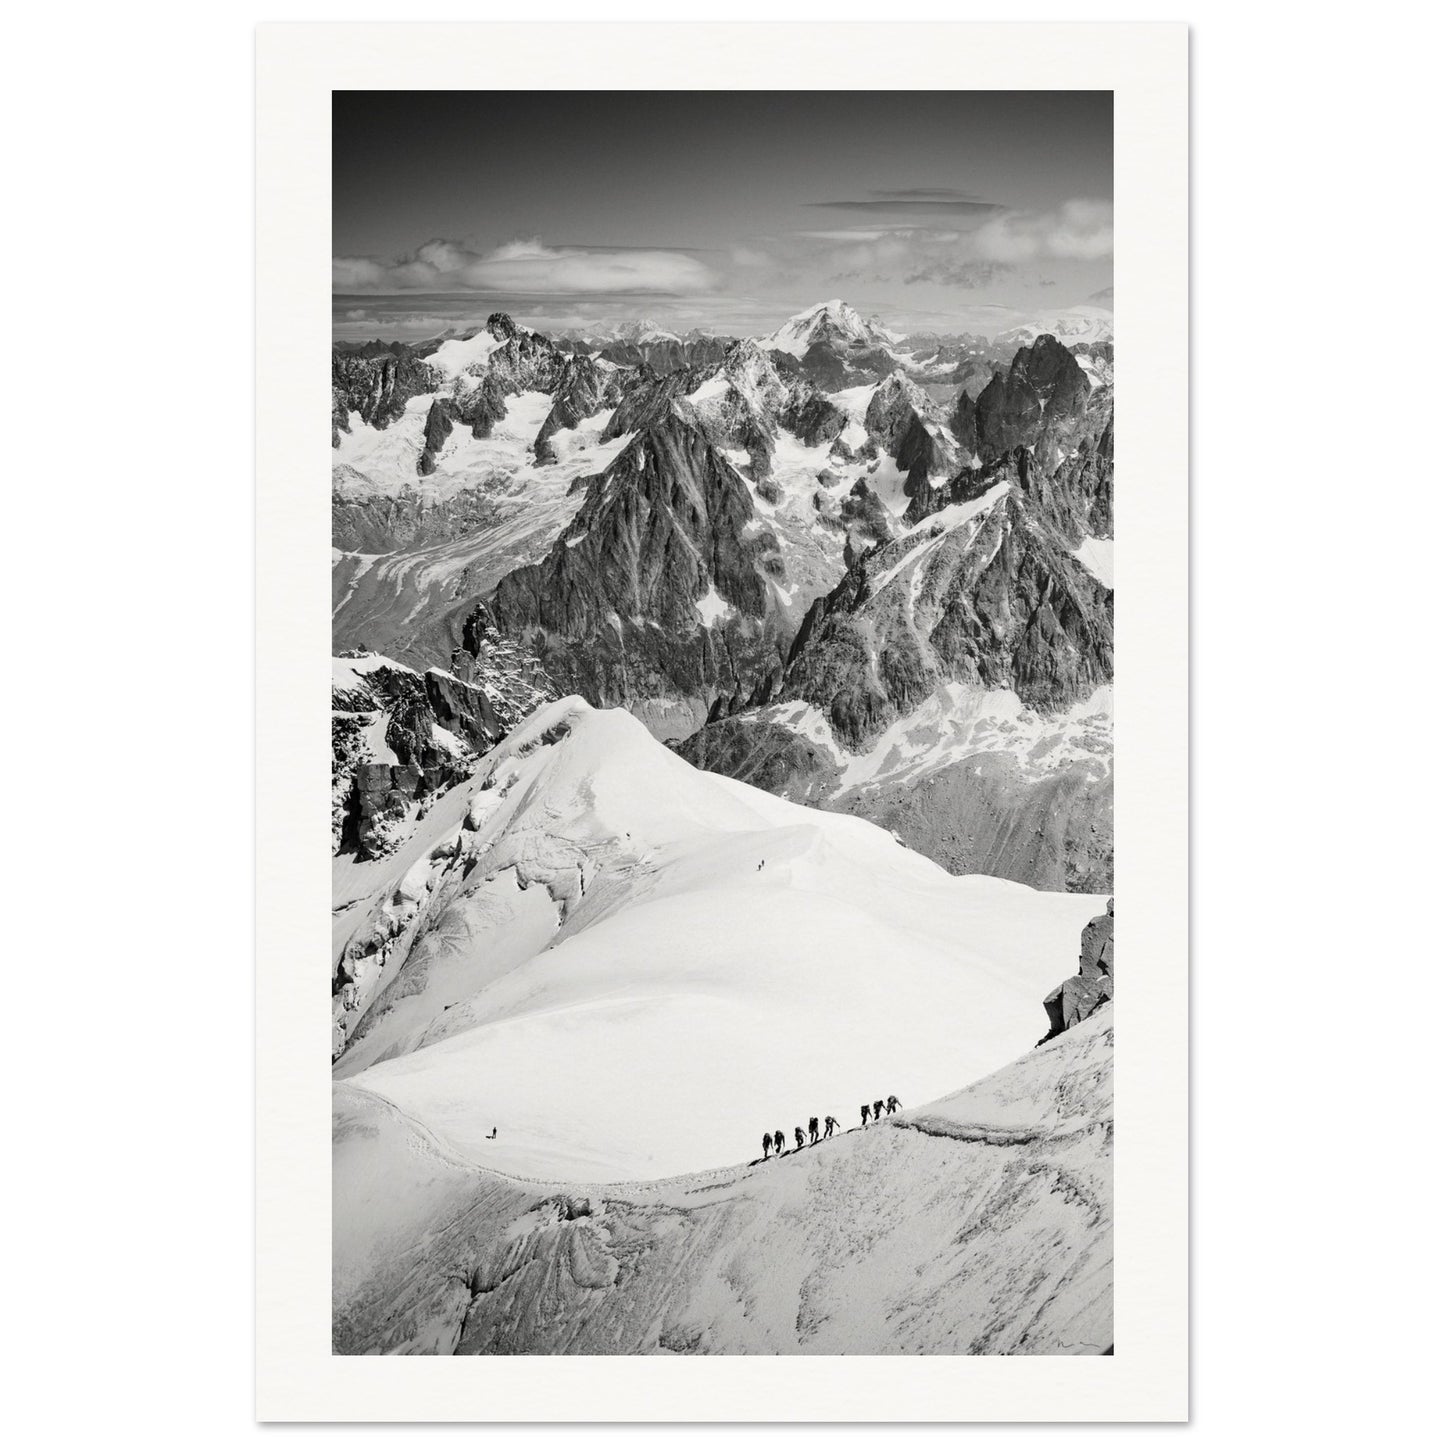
(644, 329)
(832, 323)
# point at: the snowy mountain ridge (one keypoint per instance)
(979, 1223)
(829, 323)
(660, 539)
(586, 895)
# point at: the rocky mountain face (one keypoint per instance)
(1080, 997)
(806, 570)
(906, 424)
(1041, 395)
(1056, 429)
(1096, 358)
(661, 354)
(966, 360)
(746, 404)
(399, 737)
(995, 603)
(371, 522)
(955, 684)
(658, 590)
(582, 390)
(375, 385)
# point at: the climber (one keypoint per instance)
(778, 1142)
(493, 1134)
(864, 1111)
(893, 1104)
(760, 865)
(877, 1109)
(798, 1135)
(813, 1130)
(767, 1144)
(829, 1124)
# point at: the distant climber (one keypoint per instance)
(893, 1104)
(778, 1142)
(864, 1111)
(767, 1144)
(829, 1124)
(493, 1134)
(760, 865)
(877, 1109)
(798, 1134)
(813, 1130)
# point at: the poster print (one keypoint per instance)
(722, 722)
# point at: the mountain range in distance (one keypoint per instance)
(875, 578)
(722, 735)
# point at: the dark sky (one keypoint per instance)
(722, 208)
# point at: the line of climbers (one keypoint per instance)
(774, 1143)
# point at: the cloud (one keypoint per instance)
(967, 275)
(901, 203)
(750, 258)
(924, 193)
(1076, 231)
(968, 254)
(526, 266)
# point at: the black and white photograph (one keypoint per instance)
(608, 915)
(722, 689)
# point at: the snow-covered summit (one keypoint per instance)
(1072, 326)
(831, 323)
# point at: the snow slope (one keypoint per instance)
(671, 998)
(981, 1223)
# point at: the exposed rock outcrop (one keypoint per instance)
(583, 389)
(1083, 995)
(661, 354)
(376, 385)
(398, 737)
(906, 424)
(1039, 404)
(999, 604)
(993, 599)
(658, 588)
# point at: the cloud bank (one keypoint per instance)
(964, 254)
(526, 266)
(1075, 231)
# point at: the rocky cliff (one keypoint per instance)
(1082, 996)
(657, 592)
(376, 386)
(726, 542)
(399, 737)
(955, 684)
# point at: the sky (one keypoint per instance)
(725, 210)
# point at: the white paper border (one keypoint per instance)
(298, 1378)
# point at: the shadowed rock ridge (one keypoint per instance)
(1080, 997)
